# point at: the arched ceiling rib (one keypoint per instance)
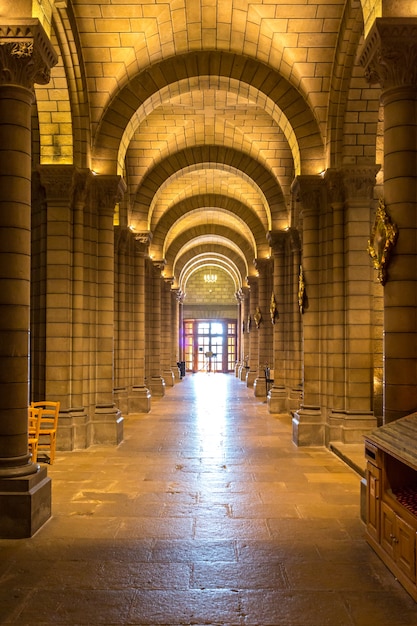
(259, 76)
(209, 208)
(209, 155)
(209, 184)
(211, 260)
(209, 231)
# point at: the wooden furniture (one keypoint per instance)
(34, 418)
(391, 497)
(48, 426)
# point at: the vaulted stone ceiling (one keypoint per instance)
(208, 109)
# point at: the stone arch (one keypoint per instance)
(208, 155)
(179, 211)
(252, 72)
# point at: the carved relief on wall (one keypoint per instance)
(301, 290)
(383, 238)
(273, 311)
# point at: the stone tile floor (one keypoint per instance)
(206, 514)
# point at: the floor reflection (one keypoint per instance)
(211, 392)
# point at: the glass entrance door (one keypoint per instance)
(209, 345)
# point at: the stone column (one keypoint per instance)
(390, 59)
(308, 422)
(252, 372)
(239, 333)
(294, 331)
(166, 332)
(64, 347)
(107, 424)
(26, 57)
(354, 321)
(175, 333)
(157, 383)
(244, 354)
(264, 330)
(277, 396)
(139, 399)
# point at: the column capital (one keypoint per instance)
(277, 239)
(308, 190)
(62, 182)
(359, 182)
(389, 55)
(333, 179)
(142, 242)
(262, 265)
(109, 191)
(26, 54)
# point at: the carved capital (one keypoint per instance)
(308, 190)
(57, 180)
(276, 240)
(389, 55)
(262, 265)
(359, 182)
(334, 184)
(26, 54)
(109, 191)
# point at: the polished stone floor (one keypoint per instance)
(205, 514)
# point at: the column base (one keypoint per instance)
(169, 378)
(277, 400)
(107, 425)
(250, 378)
(294, 399)
(308, 427)
(120, 395)
(243, 372)
(349, 426)
(25, 504)
(73, 430)
(139, 400)
(259, 387)
(157, 386)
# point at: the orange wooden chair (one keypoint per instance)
(33, 431)
(48, 426)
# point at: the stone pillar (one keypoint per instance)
(265, 353)
(354, 321)
(308, 422)
(253, 363)
(244, 354)
(157, 382)
(175, 333)
(277, 396)
(26, 57)
(166, 332)
(62, 334)
(139, 399)
(107, 424)
(390, 59)
(294, 331)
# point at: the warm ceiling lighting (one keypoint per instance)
(210, 278)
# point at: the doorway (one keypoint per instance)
(210, 345)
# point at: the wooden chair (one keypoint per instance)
(48, 426)
(33, 431)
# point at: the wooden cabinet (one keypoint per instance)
(391, 497)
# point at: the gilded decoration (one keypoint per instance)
(383, 238)
(257, 316)
(273, 309)
(301, 290)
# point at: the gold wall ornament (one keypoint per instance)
(383, 238)
(273, 308)
(301, 290)
(257, 316)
